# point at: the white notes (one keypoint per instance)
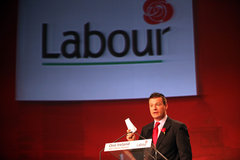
(130, 125)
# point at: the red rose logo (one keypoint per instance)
(157, 11)
(164, 130)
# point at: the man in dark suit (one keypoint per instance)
(170, 137)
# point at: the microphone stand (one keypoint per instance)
(100, 152)
(155, 149)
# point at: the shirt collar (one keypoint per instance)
(162, 121)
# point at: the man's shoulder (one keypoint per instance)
(176, 123)
(173, 121)
(169, 121)
(149, 125)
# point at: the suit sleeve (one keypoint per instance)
(142, 135)
(183, 143)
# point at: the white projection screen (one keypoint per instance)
(104, 50)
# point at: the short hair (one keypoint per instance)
(157, 95)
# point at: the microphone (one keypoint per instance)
(155, 149)
(133, 129)
(100, 152)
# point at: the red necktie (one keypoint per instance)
(155, 133)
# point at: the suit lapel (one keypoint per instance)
(167, 125)
(150, 130)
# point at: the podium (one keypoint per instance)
(130, 150)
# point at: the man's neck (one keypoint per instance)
(162, 119)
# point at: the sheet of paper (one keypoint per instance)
(130, 125)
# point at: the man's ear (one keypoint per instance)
(166, 106)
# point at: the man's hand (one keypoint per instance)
(130, 136)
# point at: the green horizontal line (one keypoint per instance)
(99, 63)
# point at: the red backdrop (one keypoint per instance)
(78, 130)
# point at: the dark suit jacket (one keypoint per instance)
(175, 143)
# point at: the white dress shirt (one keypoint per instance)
(160, 126)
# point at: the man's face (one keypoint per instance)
(157, 108)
